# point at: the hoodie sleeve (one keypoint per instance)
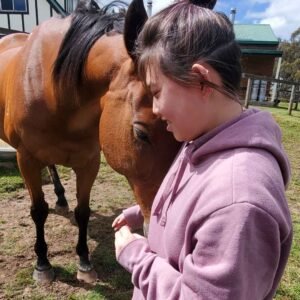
(235, 255)
(134, 217)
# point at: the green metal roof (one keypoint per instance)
(255, 34)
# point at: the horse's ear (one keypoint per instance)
(136, 17)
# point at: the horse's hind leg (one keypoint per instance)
(31, 172)
(85, 178)
(61, 206)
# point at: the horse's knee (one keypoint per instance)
(82, 215)
(39, 213)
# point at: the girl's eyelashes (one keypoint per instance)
(155, 93)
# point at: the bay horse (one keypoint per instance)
(69, 90)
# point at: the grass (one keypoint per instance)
(23, 278)
(10, 180)
(289, 288)
(114, 283)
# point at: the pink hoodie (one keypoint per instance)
(220, 227)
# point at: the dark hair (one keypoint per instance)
(183, 34)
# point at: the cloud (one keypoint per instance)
(159, 5)
(282, 15)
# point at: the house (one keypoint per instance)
(24, 15)
(259, 47)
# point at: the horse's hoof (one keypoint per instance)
(87, 277)
(62, 210)
(46, 276)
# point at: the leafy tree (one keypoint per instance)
(290, 68)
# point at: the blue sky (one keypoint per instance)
(282, 15)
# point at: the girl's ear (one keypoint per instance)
(204, 75)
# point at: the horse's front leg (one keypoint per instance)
(85, 178)
(31, 172)
(61, 206)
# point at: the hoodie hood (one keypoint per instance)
(252, 129)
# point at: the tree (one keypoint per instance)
(290, 68)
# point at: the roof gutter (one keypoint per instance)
(276, 53)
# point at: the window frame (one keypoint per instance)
(13, 11)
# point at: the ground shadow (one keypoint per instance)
(112, 277)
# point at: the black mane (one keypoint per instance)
(89, 23)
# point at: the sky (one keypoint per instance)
(282, 15)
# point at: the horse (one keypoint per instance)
(70, 90)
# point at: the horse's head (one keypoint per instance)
(134, 141)
(95, 61)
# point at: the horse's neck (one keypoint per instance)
(105, 58)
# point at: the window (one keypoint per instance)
(14, 6)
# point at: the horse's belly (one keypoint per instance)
(58, 148)
(60, 155)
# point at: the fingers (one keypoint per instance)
(119, 221)
(122, 238)
(124, 231)
(115, 222)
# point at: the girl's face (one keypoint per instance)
(183, 108)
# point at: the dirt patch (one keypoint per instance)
(110, 195)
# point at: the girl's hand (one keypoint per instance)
(123, 237)
(118, 222)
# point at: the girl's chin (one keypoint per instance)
(177, 137)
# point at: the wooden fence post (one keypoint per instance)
(296, 104)
(248, 92)
(291, 99)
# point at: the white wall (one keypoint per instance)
(30, 19)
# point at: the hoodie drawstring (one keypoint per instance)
(171, 188)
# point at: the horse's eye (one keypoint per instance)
(141, 133)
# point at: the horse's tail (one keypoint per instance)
(88, 24)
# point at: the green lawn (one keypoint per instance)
(290, 125)
(114, 280)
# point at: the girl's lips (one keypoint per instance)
(168, 123)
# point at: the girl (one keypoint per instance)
(220, 227)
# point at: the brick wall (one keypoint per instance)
(258, 65)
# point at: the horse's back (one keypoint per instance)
(12, 41)
(10, 45)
